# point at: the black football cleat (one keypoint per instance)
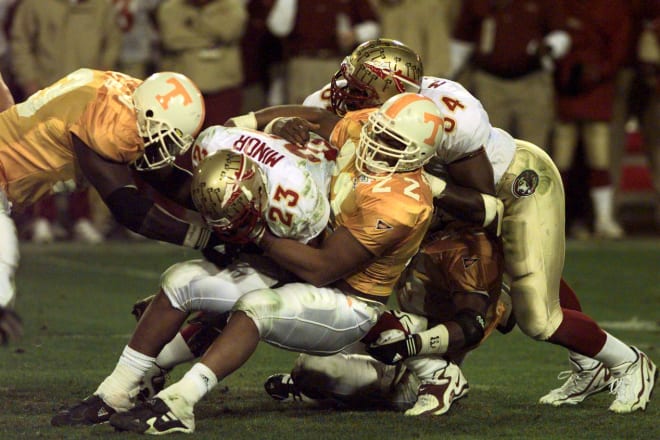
(91, 411)
(155, 417)
(281, 387)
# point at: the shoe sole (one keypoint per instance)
(444, 410)
(577, 400)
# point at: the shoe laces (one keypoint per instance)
(622, 386)
(574, 379)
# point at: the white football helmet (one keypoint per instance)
(402, 135)
(229, 191)
(170, 111)
(373, 73)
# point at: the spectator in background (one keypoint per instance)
(261, 52)
(512, 46)
(317, 35)
(140, 37)
(636, 95)
(49, 39)
(585, 82)
(202, 40)
(6, 8)
(423, 25)
(649, 80)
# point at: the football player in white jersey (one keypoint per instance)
(11, 327)
(240, 176)
(454, 280)
(513, 187)
(381, 208)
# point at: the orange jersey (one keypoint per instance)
(389, 217)
(458, 259)
(36, 146)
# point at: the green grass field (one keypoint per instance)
(76, 301)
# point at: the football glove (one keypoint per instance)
(11, 326)
(393, 346)
(140, 306)
(221, 255)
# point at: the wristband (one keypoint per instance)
(197, 237)
(248, 120)
(493, 211)
(434, 340)
(269, 127)
(437, 184)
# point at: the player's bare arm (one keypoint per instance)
(469, 194)
(339, 255)
(292, 122)
(117, 188)
(6, 98)
(172, 182)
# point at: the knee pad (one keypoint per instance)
(259, 304)
(176, 281)
(537, 328)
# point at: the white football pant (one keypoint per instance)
(8, 253)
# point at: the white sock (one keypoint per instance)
(174, 353)
(118, 389)
(582, 361)
(615, 352)
(194, 385)
(425, 367)
(603, 200)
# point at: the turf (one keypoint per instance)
(76, 300)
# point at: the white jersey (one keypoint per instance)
(297, 178)
(467, 127)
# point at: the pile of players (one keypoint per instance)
(322, 207)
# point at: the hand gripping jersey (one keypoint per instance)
(389, 217)
(36, 147)
(297, 178)
(466, 126)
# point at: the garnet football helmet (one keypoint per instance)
(375, 71)
(229, 191)
(170, 111)
(402, 135)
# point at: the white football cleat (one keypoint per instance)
(42, 232)
(85, 232)
(579, 385)
(609, 230)
(634, 384)
(436, 396)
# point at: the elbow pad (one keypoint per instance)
(128, 207)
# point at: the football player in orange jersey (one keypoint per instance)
(100, 128)
(382, 208)
(453, 282)
(509, 185)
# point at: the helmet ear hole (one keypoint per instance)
(149, 113)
